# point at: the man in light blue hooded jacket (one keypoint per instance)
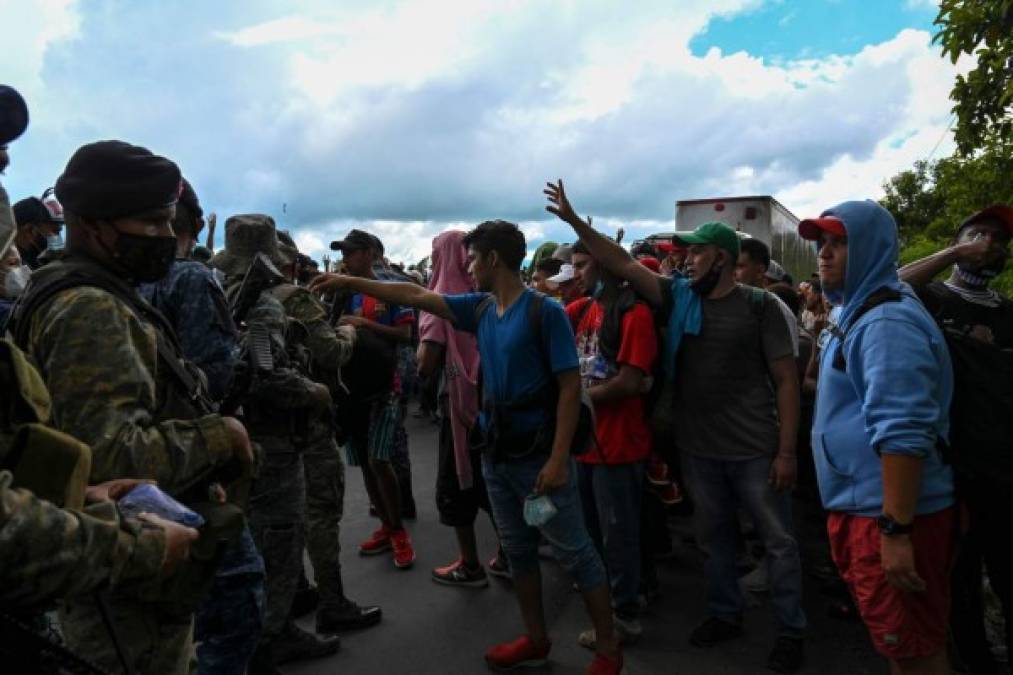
(882, 417)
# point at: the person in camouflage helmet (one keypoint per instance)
(278, 501)
(117, 380)
(229, 621)
(329, 350)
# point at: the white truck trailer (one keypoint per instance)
(761, 217)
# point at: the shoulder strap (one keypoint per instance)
(482, 307)
(75, 272)
(757, 301)
(874, 300)
(535, 319)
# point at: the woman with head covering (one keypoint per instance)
(460, 490)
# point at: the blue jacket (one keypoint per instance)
(894, 395)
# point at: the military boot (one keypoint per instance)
(346, 615)
(295, 644)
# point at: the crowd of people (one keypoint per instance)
(177, 422)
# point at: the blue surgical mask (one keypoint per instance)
(54, 242)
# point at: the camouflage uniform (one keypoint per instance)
(99, 360)
(278, 409)
(52, 553)
(229, 621)
(325, 470)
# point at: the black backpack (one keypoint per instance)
(498, 440)
(981, 415)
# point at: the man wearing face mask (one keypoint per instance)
(40, 223)
(117, 377)
(978, 324)
(736, 417)
(14, 276)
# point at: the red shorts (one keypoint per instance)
(903, 625)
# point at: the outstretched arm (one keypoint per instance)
(606, 252)
(396, 292)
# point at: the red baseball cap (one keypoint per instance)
(670, 247)
(1000, 212)
(650, 263)
(810, 228)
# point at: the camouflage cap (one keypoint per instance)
(245, 236)
(287, 245)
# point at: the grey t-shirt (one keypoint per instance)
(725, 405)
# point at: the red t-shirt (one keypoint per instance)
(622, 428)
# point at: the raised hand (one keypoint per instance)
(558, 203)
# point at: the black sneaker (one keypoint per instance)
(458, 574)
(787, 655)
(347, 616)
(295, 644)
(712, 631)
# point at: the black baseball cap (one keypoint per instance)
(356, 240)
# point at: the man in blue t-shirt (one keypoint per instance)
(530, 380)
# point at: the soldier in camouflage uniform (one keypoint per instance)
(229, 622)
(117, 380)
(329, 350)
(50, 552)
(280, 408)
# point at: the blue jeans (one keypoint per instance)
(718, 487)
(509, 482)
(611, 495)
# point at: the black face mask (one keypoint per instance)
(705, 284)
(145, 259)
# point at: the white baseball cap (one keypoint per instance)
(565, 274)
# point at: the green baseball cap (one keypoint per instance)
(715, 233)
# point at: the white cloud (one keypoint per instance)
(407, 118)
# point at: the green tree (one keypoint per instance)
(930, 200)
(984, 97)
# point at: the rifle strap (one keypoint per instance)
(114, 636)
(75, 271)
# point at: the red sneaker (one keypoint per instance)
(657, 471)
(520, 653)
(670, 495)
(605, 665)
(377, 543)
(404, 554)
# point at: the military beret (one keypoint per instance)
(13, 114)
(113, 179)
(188, 198)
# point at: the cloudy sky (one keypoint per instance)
(406, 118)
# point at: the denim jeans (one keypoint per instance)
(718, 487)
(509, 482)
(611, 495)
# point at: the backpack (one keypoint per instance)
(981, 426)
(497, 439)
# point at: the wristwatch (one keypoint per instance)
(889, 526)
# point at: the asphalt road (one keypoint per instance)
(429, 628)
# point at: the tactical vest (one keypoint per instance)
(181, 396)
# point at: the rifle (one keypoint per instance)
(261, 276)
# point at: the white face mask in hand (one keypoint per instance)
(15, 281)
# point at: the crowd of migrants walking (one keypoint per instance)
(176, 423)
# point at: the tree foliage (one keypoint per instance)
(930, 200)
(983, 99)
